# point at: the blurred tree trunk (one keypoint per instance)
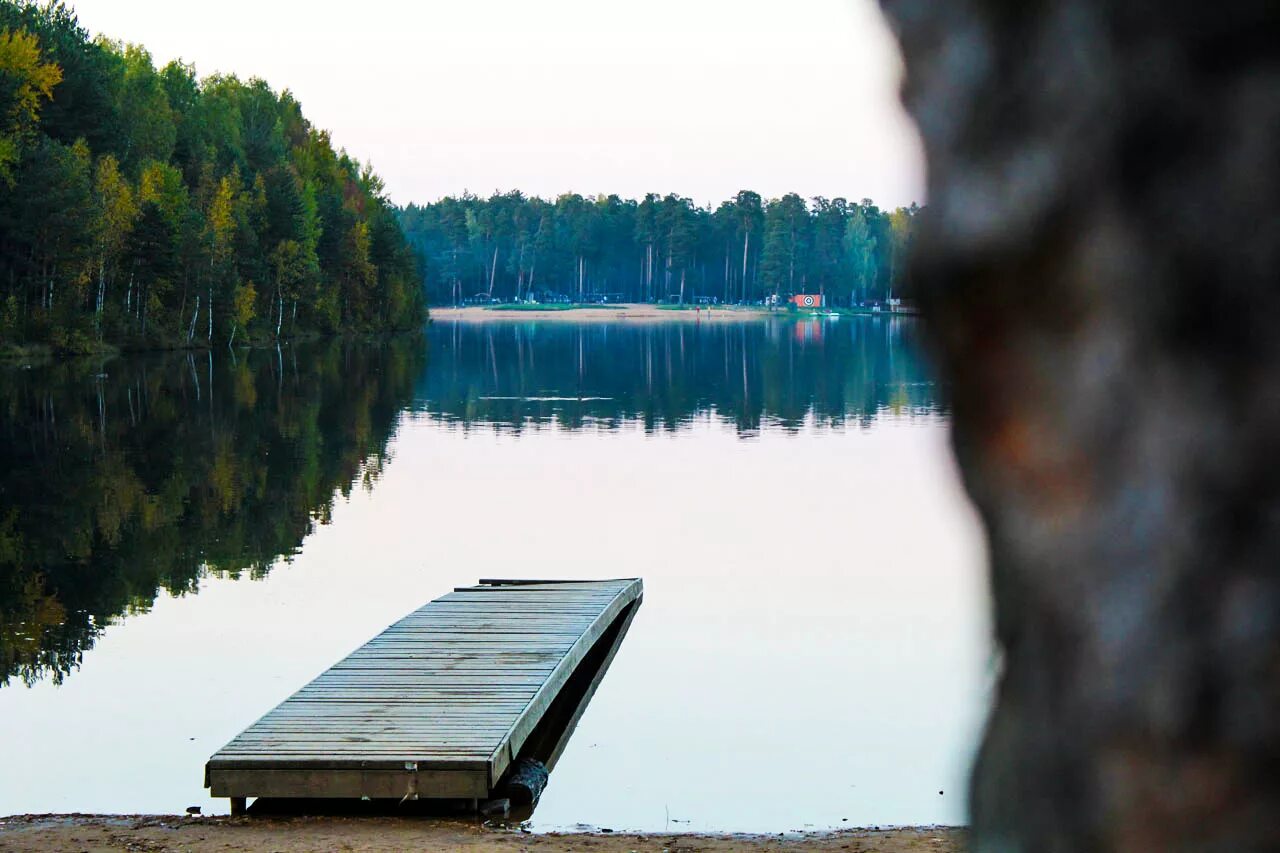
(1099, 264)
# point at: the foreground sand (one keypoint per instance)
(621, 313)
(288, 835)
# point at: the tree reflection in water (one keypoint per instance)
(782, 373)
(123, 478)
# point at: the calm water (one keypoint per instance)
(184, 541)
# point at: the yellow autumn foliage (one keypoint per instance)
(32, 80)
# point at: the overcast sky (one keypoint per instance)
(698, 97)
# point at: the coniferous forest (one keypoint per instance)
(661, 248)
(147, 208)
(144, 207)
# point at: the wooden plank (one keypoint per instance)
(349, 730)
(538, 705)
(347, 783)
(302, 761)
(437, 704)
(526, 582)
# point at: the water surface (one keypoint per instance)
(185, 540)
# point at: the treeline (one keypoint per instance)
(144, 207)
(510, 246)
(120, 482)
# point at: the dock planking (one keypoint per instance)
(441, 703)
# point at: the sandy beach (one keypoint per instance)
(628, 313)
(37, 834)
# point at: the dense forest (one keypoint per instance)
(117, 483)
(147, 208)
(512, 247)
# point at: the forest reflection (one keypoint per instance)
(127, 478)
(124, 478)
(779, 373)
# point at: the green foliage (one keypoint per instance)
(8, 319)
(859, 246)
(666, 248)
(785, 257)
(141, 203)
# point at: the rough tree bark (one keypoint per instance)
(1100, 265)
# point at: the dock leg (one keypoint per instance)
(238, 806)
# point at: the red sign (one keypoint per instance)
(807, 300)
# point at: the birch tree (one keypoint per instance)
(116, 211)
(220, 233)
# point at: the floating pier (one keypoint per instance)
(442, 704)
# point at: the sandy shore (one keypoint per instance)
(289, 835)
(629, 313)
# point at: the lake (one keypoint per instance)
(185, 539)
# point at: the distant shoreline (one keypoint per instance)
(624, 312)
(42, 352)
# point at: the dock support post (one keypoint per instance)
(238, 806)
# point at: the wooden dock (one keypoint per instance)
(443, 702)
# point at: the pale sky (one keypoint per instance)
(697, 97)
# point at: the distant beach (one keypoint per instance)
(628, 312)
(639, 311)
